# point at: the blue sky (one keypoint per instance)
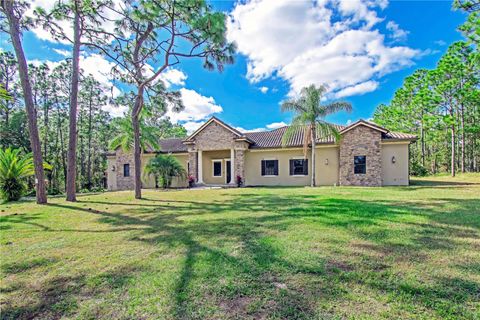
(362, 49)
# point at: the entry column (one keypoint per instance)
(233, 172)
(200, 166)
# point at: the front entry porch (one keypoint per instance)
(215, 167)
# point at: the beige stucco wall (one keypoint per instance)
(111, 175)
(394, 174)
(325, 174)
(147, 182)
(207, 166)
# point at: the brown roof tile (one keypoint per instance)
(273, 139)
(172, 145)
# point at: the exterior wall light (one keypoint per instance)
(113, 168)
(393, 159)
(326, 162)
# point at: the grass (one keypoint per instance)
(250, 253)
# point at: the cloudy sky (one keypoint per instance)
(361, 49)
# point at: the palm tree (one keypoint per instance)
(14, 169)
(309, 116)
(149, 136)
(164, 167)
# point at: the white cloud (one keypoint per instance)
(173, 77)
(64, 53)
(263, 89)
(271, 126)
(326, 41)
(191, 126)
(358, 89)
(440, 43)
(197, 108)
(99, 68)
(241, 129)
(66, 26)
(276, 125)
(398, 34)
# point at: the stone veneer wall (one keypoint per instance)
(361, 141)
(239, 161)
(124, 183)
(192, 164)
(214, 137)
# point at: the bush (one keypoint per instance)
(12, 189)
(418, 170)
(14, 169)
(164, 168)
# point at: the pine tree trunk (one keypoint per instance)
(62, 151)
(462, 123)
(89, 155)
(82, 148)
(136, 149)
(14, 30)
(422, 138)
(453, 150)
(72, 139)
(314, 135)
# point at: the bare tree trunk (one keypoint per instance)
(82, 149)
(422, 138)
(314, 135)
(89, 154)
(72, 139)
(62, 147)
(136, 150)
(14, 30)
(453, 150)
(462, 122)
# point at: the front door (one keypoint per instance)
(229, 171)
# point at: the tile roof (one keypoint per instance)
(399, 136)
(273, 139)
(172, 145)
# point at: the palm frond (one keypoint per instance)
(337, 106)
(325, 129)
(297, 124)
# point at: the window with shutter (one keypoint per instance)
(269, 167)
(126, 170)
(298, 167)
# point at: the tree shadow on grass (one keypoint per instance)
(60, 296)
(234, 266)
(260, 285)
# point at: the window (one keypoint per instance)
(269, 167)
(360, 164)
(126, 170)
(298, 167)
(217, 168)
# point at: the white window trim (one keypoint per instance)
(297, 175)
(271, 175)
(360, 174)
(213, 168)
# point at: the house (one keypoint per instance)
(216, 153)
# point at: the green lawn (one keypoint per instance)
(250, 253)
